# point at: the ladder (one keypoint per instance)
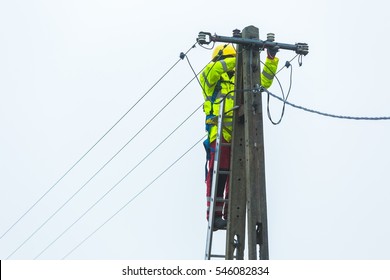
(214, 186)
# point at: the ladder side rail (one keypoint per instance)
(214, 184)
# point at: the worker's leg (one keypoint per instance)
(223, 180)
(220, 189)
(224, 164)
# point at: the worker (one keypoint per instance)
(217, 81)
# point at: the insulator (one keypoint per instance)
(202, 38)
(236, 33)
(271, 37)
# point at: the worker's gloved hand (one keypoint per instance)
(271, 52)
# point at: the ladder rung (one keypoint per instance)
(226, 144)
(225, 172)
(221, 200)
(217, 256)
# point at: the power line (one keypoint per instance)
(325, 114)
(120, 181)
(93, 146)
(93, 176)
(134, 197)
(285, 102)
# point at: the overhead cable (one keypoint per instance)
(133, 198)
(93, 146)
(93, 176)
(325, 114)
(120, 181)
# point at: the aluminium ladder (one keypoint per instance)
(214, 185)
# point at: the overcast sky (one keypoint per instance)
(71, 69)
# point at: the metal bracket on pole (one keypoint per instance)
(205, 38)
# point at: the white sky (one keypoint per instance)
(70, 69)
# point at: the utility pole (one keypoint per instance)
(247, 190)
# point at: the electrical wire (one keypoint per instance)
(120, 181)
(133, 198)
(326, 114)
(193, 71)
(284, 97)
(89, 180)
(285, 102)
(93, 146)
(182, 55)
(287, 64)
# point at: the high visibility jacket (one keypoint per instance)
(217, 80)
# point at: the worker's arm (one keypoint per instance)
(269, 70)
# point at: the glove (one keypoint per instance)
(271, 52)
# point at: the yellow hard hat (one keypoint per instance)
(226, 50)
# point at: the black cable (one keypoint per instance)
(287, 64)
(63, 205)
(90, 149)
(193, 70)
(133, 198)
(356, 118)
(120, 181)
(285, 98)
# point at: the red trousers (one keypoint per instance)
(223, 179)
